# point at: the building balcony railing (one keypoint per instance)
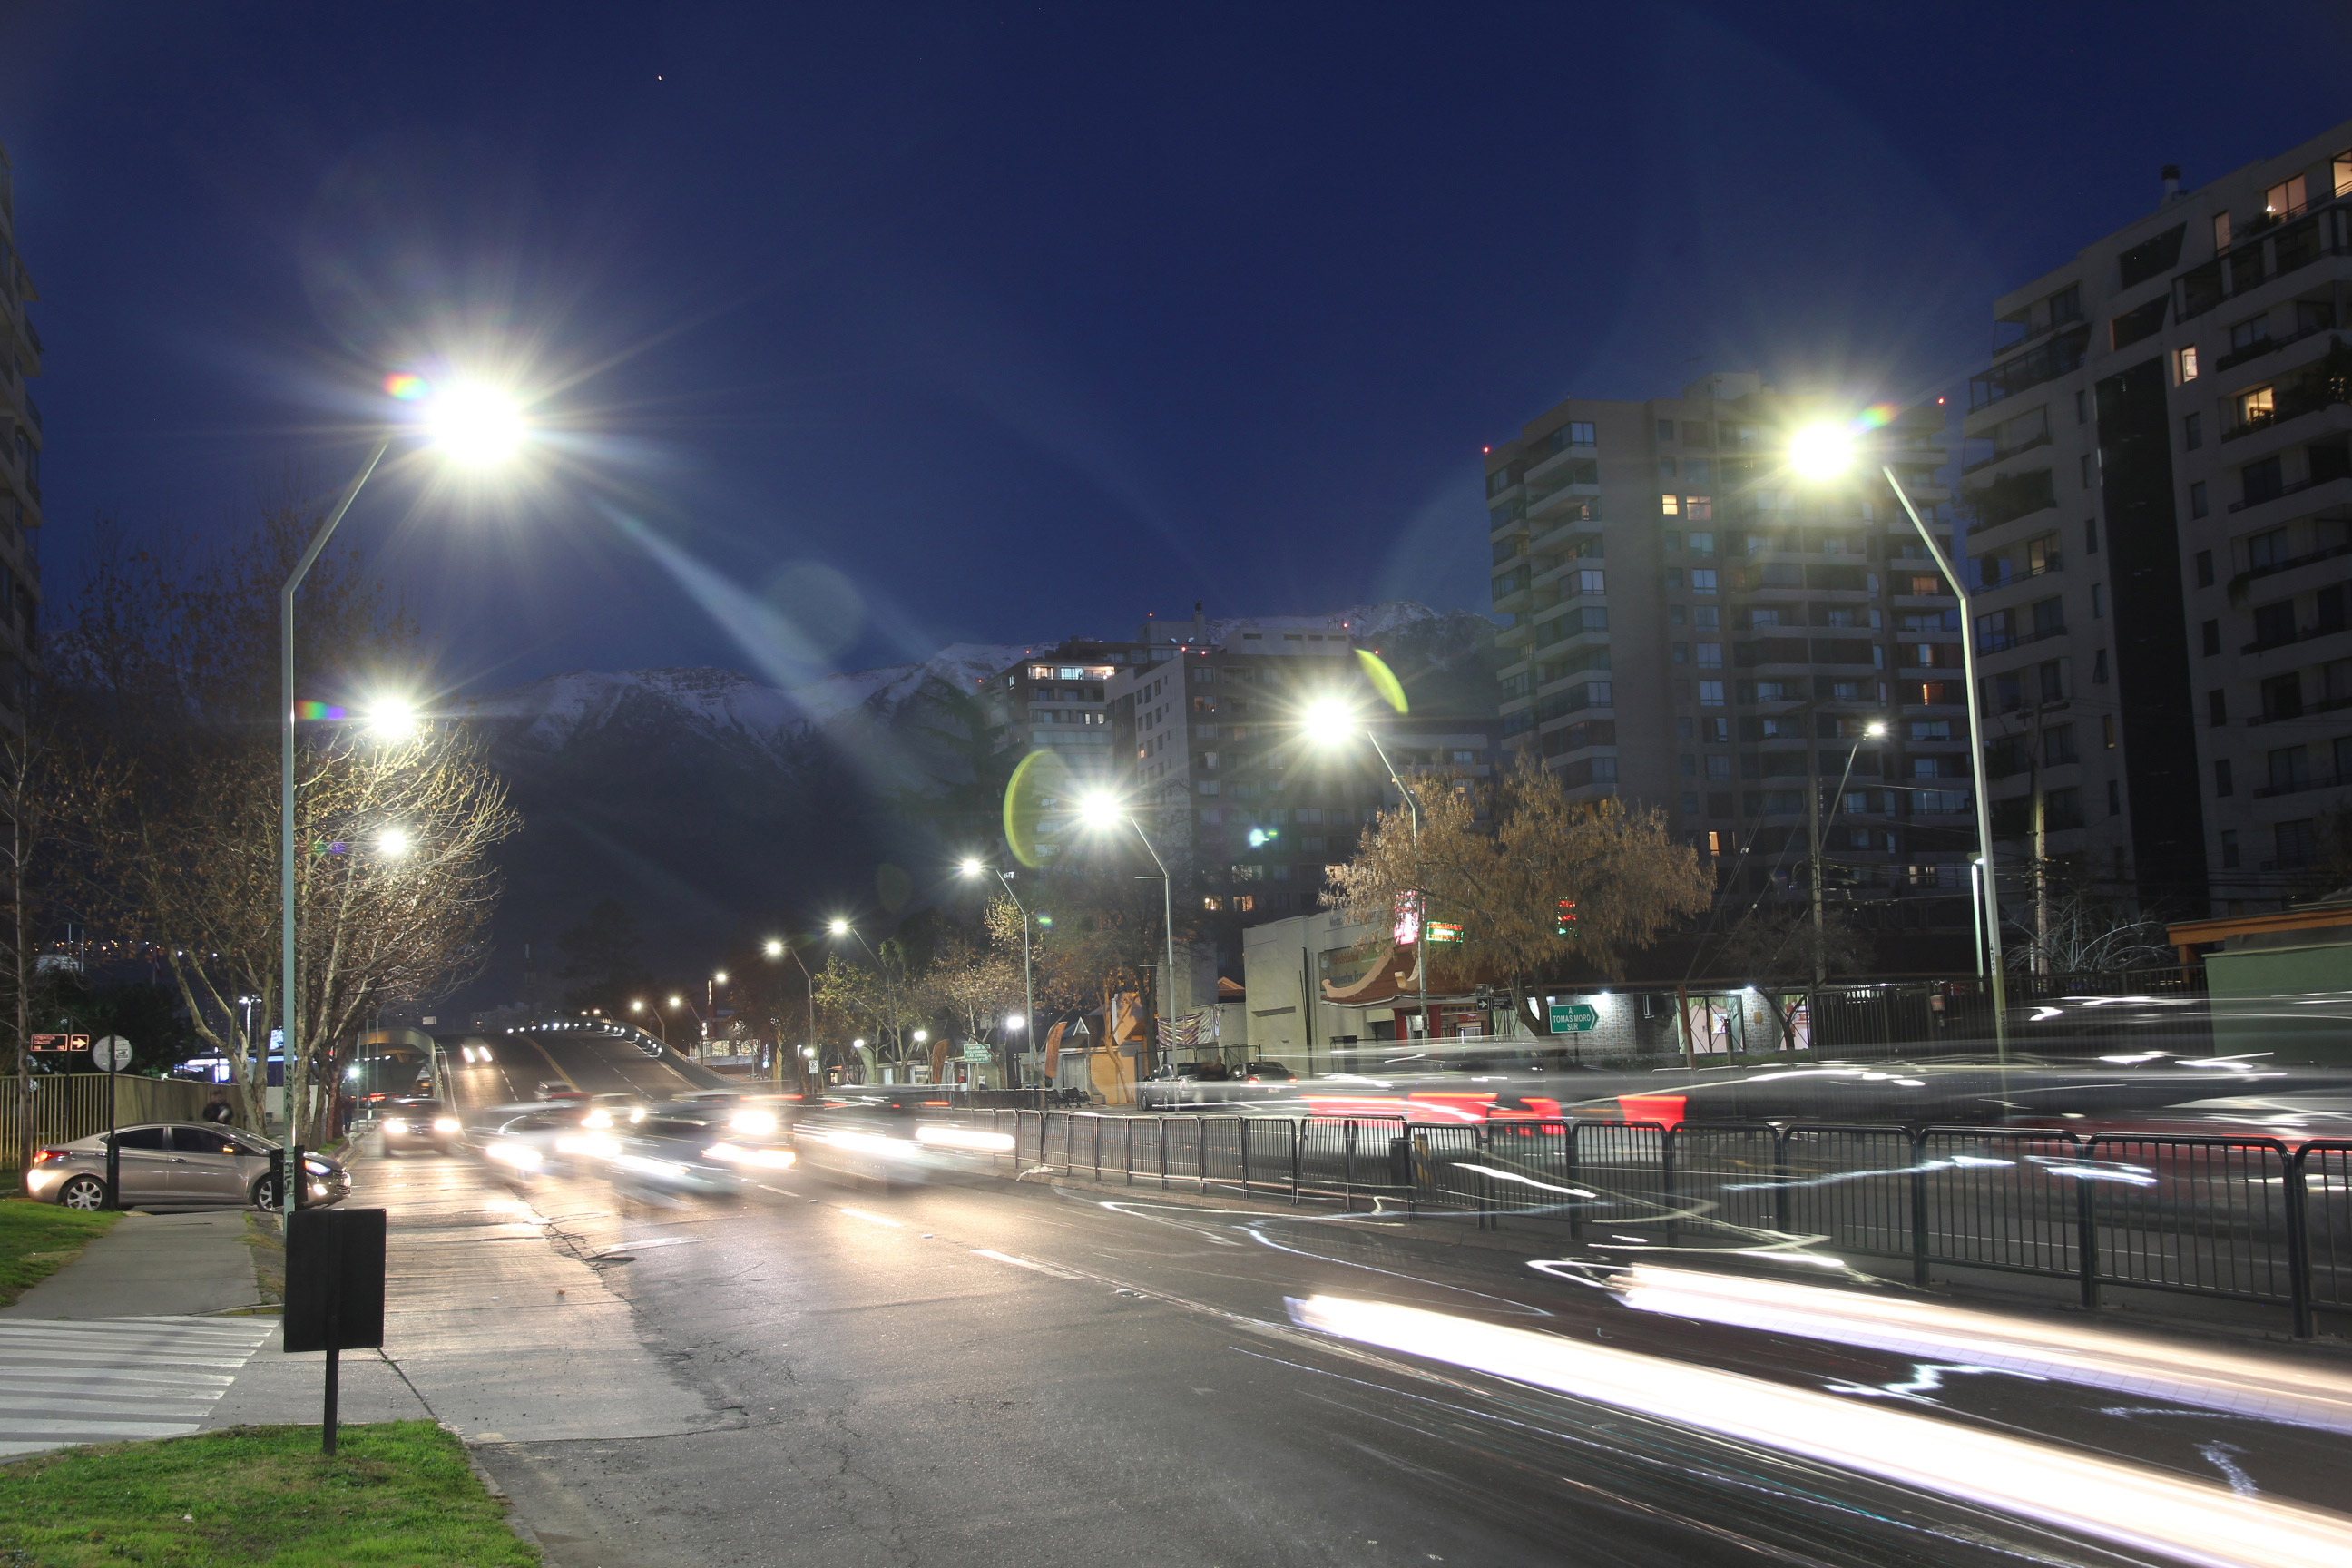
(1999, 642)
(2272, 568)
(2255, 350)
(2061, 355)
(2002, 454)
(2282, 491)
(2300, 633)
(2302, 785)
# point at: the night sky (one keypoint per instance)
(865, 329)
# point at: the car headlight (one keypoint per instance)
(444, 1124)
(509, 1151)
(597, 1119)
(751, 1121)
(396, 1125)
(317, 1169)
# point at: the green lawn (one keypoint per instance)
(400, 1493)
(39, 1240)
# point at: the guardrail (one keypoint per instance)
(2246, 1219)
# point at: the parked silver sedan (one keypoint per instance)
(176, 1165)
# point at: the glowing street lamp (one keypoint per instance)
(392, 719)
(1333, 722)
(974, 867)
(392, 842)
(777, 948)
(1100, 809)
(472, 424)
(661, 1029)
(1824, 451)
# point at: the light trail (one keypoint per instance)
(2136, 1507)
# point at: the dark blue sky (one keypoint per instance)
(917, 324)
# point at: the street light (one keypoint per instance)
(472, 424)
(659, 1029)
(393, 842)
(974, 867)
(1823, 451)
(779, 949)
(1332, 721)
(1874, 730)
(1100, 808)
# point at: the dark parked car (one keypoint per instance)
(1268, 1072)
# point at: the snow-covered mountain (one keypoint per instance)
(719, 807)
(731, 708)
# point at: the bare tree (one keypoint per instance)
(2084, 934)
(973, 986)
(170, 672)
(1627, 877)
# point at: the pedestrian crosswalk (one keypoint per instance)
(105, 1380)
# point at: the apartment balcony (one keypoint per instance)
(2303, 785)
(2259, 257)
(2002, 641)
(2300, 635)
(2313, 558)
(2061, 355)
(2248, 503)
(1556, 502)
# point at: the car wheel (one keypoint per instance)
(265, 1193)
(82, 1193)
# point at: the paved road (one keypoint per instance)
(584, 1059)
(981, 1374)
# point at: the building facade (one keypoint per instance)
(20, 464)
(2158, 470)
(1690, 626)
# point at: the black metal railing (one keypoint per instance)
(2248, 1219)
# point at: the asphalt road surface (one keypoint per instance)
(982, 1372)
(598, 1063)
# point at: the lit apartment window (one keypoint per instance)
(2220, 231)
(2344, 173)
(2188, 364)
(1697, 507)
(1672, 506)
(2285, 197)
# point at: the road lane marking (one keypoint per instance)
(1024, 1263)
(873, 1218)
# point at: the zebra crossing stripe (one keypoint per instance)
(100, 1380)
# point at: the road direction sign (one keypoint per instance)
(61, 1042)
(1574, 1019)
(112, 1053)
(974, 1051)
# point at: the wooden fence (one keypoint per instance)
(67, 1106)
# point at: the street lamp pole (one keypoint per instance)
(1420, 893)
(1028, 974)
(1872, 731)
(285, 1007)
(786, 950)
(1991, 892)
(1168, 920)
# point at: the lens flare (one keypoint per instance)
(407, 387)
(320, 711)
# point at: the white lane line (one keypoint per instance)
(872, 1218)
(1024, 1263)
(780, 1192)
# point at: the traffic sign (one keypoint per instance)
(61, 1042)
(1574, 1019)
(112, 1053)
(974, 1051)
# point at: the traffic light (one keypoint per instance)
(1564, 923)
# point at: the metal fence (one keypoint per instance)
(2248, 1219)
(67, 1106)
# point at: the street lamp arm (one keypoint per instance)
(286, 1005)
(1975, 761)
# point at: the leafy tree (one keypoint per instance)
(1630, 880)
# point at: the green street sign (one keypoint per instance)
(1574, 1019)
(973, 1051)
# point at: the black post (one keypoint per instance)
(113, 1156)
(2086, 1240)
(1920, 1209)
(2298, 1247)
(334, 1372)
(1297, 1136)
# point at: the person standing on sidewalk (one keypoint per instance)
(218, 1110)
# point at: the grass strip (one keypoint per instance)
(400, 1493)
(39, 1240)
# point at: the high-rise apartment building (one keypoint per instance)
(20, 463)
(1690, 626)
(2158, 470)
